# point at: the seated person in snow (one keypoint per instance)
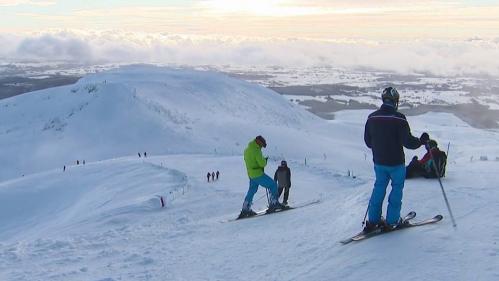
(425, 167)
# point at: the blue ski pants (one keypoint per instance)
(264, 181)
(383, 176)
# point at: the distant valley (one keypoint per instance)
(321, 90)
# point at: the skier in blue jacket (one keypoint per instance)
(386, 133)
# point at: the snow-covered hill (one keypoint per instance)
(104, 221)
(145, 108)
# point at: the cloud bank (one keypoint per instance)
(440, 57)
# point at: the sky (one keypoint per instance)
(456, 37)
(318, 19)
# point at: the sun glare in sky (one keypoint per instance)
(270, 8)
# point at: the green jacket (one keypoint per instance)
(254, 160)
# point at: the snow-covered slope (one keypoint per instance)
(145, 108)
(107, 193)
(103, 220)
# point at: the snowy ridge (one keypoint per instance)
(143, 108)
(106, 193)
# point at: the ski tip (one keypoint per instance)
(346, 241)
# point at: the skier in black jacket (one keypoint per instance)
(387, 132)
(282, 177)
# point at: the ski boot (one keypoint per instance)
(369, 227)
(246, 214)
(381, 225)
(385, 227)
(275, 207)
(401, 223)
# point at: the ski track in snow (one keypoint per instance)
(102, 221)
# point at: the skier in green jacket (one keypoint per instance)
(255, 164)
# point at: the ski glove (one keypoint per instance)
(424, 138)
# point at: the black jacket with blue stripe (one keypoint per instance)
(386, 133)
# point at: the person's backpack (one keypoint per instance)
(440, 159)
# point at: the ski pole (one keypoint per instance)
(367, 210)
(442, 188)
(268, 200)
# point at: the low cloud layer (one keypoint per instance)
(450, 58)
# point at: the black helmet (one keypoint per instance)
(261, 141)
(390, 94)
(431, 144)
(284, 163)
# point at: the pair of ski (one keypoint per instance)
(287, 208)
(406, 223)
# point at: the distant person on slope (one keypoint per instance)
(212, 176)
(208, 176)
(425, 167)
(386, 133)
(217, 174)
(255, 164)
(282, 177)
